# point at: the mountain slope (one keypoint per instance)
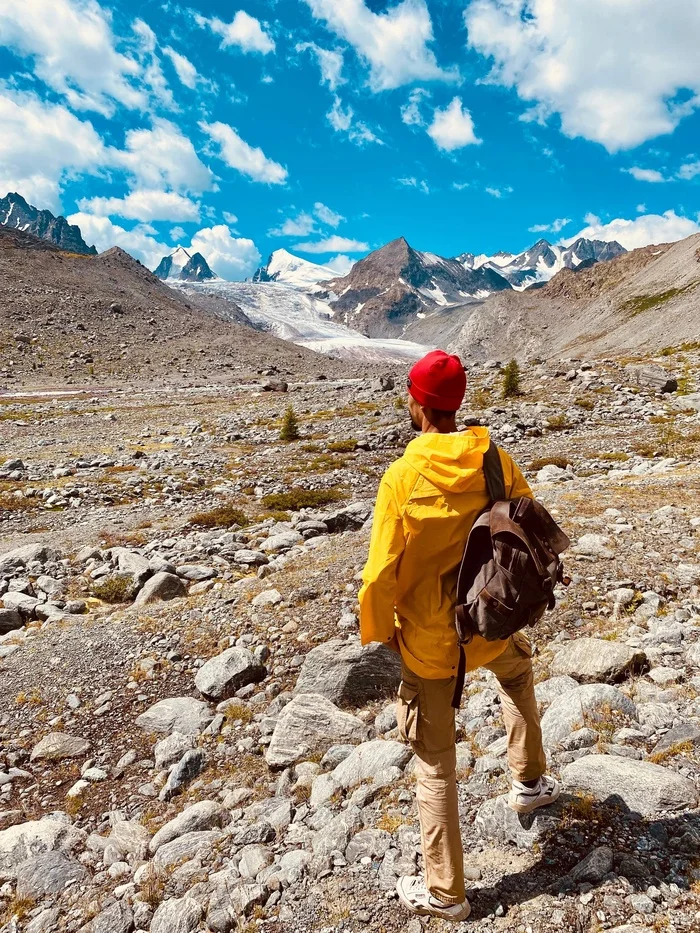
(387, 290)
(17, 214)
(542, 261)
(642, 300)
(284, 267)
(184, 267)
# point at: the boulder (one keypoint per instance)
(685, 733)
(496, 821)
(49, 873)
(580, 707)
(548, 690)
(28, 840)
(176, 714)
(116, 918)
(281, 542)
(207, 814)
(651, 377)
(640, 786)
(58, 745)
(347, 673)
(161, 586)
(21, 603)
(595, 660)
(368, 760)
(171, 749)
(27, 554)
(368, 843)
(10, 620)
(136, 565)
(184, 848)
(596, 865)
(310, 725)
(196, 572)
(223, 675)
(186, 770)
(177, 915)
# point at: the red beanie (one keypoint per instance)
(438, 381)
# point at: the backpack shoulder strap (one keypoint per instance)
(493, 471)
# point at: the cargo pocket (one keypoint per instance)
(522, 643)
(407, 712)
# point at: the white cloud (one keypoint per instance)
(177, 234)
(689, 171)
(301, 225)
(249, 161)
(412, 182)
(612, 71)
(461, 185)
(643, 230)
(394, 44)
(556, 226)
(641, 208)
(411, 111)
(244, 31)
(499, 192)
(151, 68)
(452, 127)
(42, 144)
(230, 218)
(342, 119)
(73, 51)
(186, 71)
(333, 244)
(645, 174)
(330, 62)
(232, 258)
(104, 234)
(162, 157)
(340, 264)
(144, 205)
(326, 215)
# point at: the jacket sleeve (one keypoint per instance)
(387, 543)
(516, 484)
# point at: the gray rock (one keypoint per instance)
(223, 675)
(595, 660)
(254, 858)
(132, 563)
(347, 673)
(581, 707)
(21, 603)
(10, 621)
(548, 690)
(171, 749)
(351, 517)
(49, 873)
(336, 834)
(196, 572)
(309, 725)
(27, 554)
(207, 814)
(58, 745)
(651, 377)
(184, 848)
(117, 918)
(596, 865)
(130, 837)
(161, 586)
(281, 542)
(271, 597)
(368, 760)
(368, 843)
(687, 732)
(386, 720)
(186, 770)
(641, 786)
(495, 821)
(592, 545)
(176, 714)
(28, 840)
(250, 558)
(336, 754)
(178, 915)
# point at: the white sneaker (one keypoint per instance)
(526, 799)
(415, 897)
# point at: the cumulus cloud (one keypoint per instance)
(230, 218)
(73, 51)
(412, 182)
(177, 234)
(645, 174)
(689, 171)
(340, 264)
(643, 230)
(301, 225)
(393, 44)
(326, 215)
(556, 226)
(615, 73)
(104, 234)
(184, 68)
(232, 258)
(41, 144)
(237, 153)
(333, 244)
(144, 205)
(452, 127)
(244, 32)
(342, 119)
(163, 157)
(330, 62)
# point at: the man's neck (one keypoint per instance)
(449, 427)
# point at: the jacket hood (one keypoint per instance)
(452, 462)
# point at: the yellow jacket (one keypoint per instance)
(427, 502)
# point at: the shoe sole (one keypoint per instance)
(525, 808)
(431, 911)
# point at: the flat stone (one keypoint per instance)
(184, 848)
(50, 873)
(117, 918)
(347, 673)
(207, 814)
(309, 725)
(225, 674)
(640, 786)
(368, 760)
(58, 745)
(196, 572)
(267, 598)
(595, 660)
(33, 838)
(581, 707)
(687, 732)
(171, 749)
(594, 867)
(176, 714)
(178, 915)
(161, 586)
(495, 821)
(281, 542)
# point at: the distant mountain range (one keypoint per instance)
(282, 266)
(15, 212)
(182, 266)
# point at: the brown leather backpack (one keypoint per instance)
(509, 569)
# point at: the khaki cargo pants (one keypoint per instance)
(426, 719)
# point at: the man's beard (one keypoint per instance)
(418, 428)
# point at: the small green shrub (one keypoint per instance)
(540, 462)
(511, 380)
(558, 423)
(343, 447)
(290, 426)
(586, 403)
(297, 498)
(221, 517)
(113, 590)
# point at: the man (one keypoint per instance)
(427, 503)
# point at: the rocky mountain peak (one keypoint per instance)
(182, 266)
(16, 213)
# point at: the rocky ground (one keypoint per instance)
(191, 737)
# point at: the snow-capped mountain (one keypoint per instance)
(284, 267)
(15, 212)
(184, 267)
(542, 261)
(389, 288)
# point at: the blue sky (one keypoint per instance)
(329, 127)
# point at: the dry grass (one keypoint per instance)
(678, 748)
(297, 498)
(343, 447)
(540, 462)
(237, 712)
(390, 823)
(153, 888)
(17, 907)
(114, 590)
(109, 539)
(224, 516)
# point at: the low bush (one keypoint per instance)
(113, 590)
(540, 462)
(221, 517)
(297, 498)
